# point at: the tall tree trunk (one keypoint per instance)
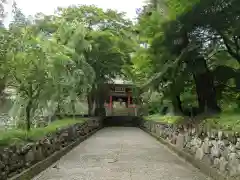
(100, 109)
(100, 99)
(90, 99)
(58, 111)
(73, 108)
(58, 108)
(2, 85)
(28, 114)
(207, 98)
(177, 105)
(2, 88)
(200, 95)
(29, 107)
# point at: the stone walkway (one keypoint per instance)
(121, 153)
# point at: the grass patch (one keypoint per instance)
(16, 136)
(228, 122)
(168, 119)
(224, 121)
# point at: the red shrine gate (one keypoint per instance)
(120, 100)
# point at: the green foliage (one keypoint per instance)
(109, 36)
(53, 61)
(16, 136)
(224, 122)
(154, 107)
(165, 119)
(192, 57)
(2, 11)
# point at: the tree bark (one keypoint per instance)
(2, 88)
(99, 99)
(59, 100)
(206, 92)
(2, 85)
(100, 109)
(177, 105)
(29, 106)
(28, 114)
(90, 99)
(90, 105)
(73, 108)
(58, 108)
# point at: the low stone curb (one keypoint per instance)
(204, 168)
(37, 168)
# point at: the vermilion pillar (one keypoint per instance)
(129, 99)
(110, 102)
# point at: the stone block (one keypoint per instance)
(216, 163)
(38, 153)
(238, 144)
(180, 141)
(206, 146)
(215, 152)
(223, 165)
(199, 154)
(220, 135)
(29, 158)
(234, 164)
(207, 160)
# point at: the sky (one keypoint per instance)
(31, 7)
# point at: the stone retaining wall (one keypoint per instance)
(216, 149)
(16, 158)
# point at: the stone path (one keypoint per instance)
(121, 153)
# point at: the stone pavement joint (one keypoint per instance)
(121, 153)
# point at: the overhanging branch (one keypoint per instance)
(169, 65)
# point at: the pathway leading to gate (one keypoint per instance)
(121, 153)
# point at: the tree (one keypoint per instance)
(109, 34)
(80, 74)
(4, 41)
(217, 33)
(2, 12)
(196, 42)
(47, 67)
(28, 69)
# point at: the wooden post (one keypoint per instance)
(128, 104)
(110, 105)
(129, 99)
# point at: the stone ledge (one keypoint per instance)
(204, 168)
(34, 170)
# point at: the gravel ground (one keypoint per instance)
(121, 153)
